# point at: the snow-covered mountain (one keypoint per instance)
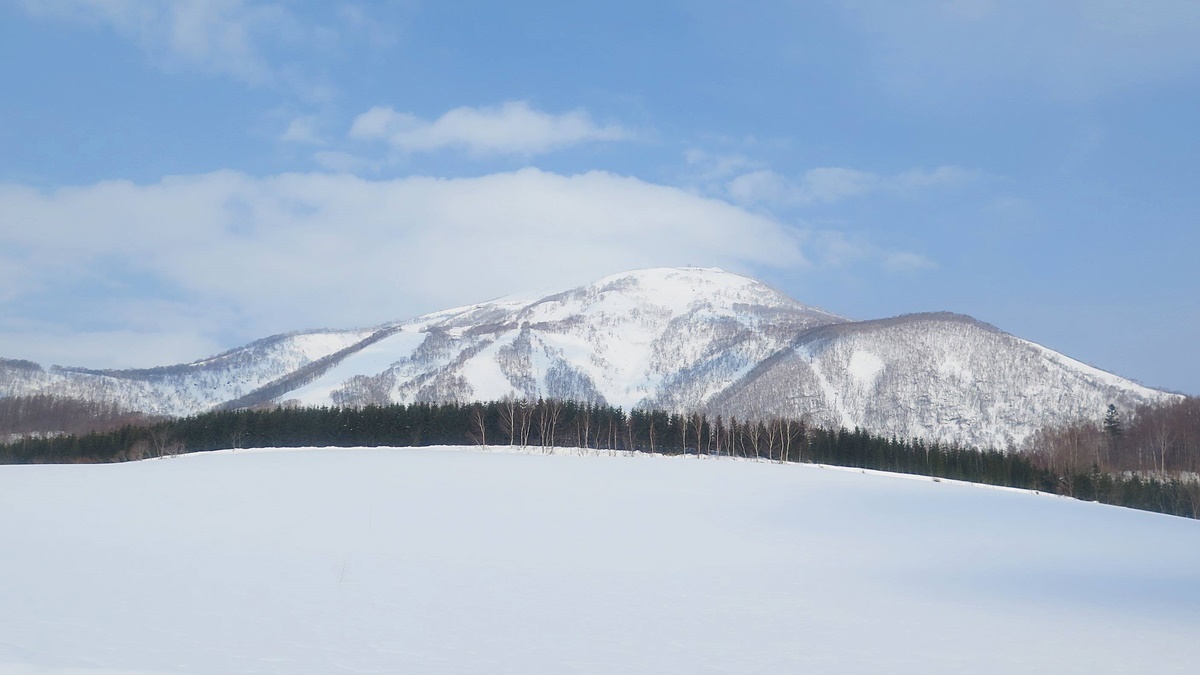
(941, 376)
(194, 387)
(673, 338)
(670, 338)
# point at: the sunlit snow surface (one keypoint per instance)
(459, 561)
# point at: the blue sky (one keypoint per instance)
(177, 178)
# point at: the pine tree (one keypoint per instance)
(1112, 422)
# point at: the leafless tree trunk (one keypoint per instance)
(525, 427)
(555, 410)
(1162, 436)
(549, 412)
(755, 429)
(160, 440)
(583, 426)
(236, 438)
(791, 430)
(478, 425)
(508, 417)
(735, 437)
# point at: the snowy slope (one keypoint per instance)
(188, 388)
(671, 337)
(941, 376)
(454, 561)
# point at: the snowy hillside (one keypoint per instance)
(188, 388)
(674, 338)
(942, 376)
(456, 561)
(662, 337)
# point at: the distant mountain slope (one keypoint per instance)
(943, 376)
(672, 338)
(187, 388)
(663, 337)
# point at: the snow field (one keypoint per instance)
(450, 560)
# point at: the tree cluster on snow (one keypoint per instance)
(1151, 439)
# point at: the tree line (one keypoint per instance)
(44, 414)
(1152, 440)
(548, 422)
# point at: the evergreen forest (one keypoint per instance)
(553, 423)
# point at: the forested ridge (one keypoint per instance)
(547, 423)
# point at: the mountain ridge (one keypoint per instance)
(679, 339)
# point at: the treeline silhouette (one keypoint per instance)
(49, 415)
(549, 423)
(1153, 439)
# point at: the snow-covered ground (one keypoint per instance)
(460, 561)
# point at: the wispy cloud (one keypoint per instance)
(705, 166)
(513, 127)
(826, 185)
(834, 249)
(303, 130)
(236, 38)
(907, 262)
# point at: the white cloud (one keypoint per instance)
(302, 130)
(210, 256)
(707, 166)
(907, 262)
(510, 128)
(915, 180)
(827, 185)
(833, 249)
(341, 161)
(839, 249)
(833, 184)
(225, 37)
(758, 186)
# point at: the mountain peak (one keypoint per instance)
(682, 289)
(658, 277)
